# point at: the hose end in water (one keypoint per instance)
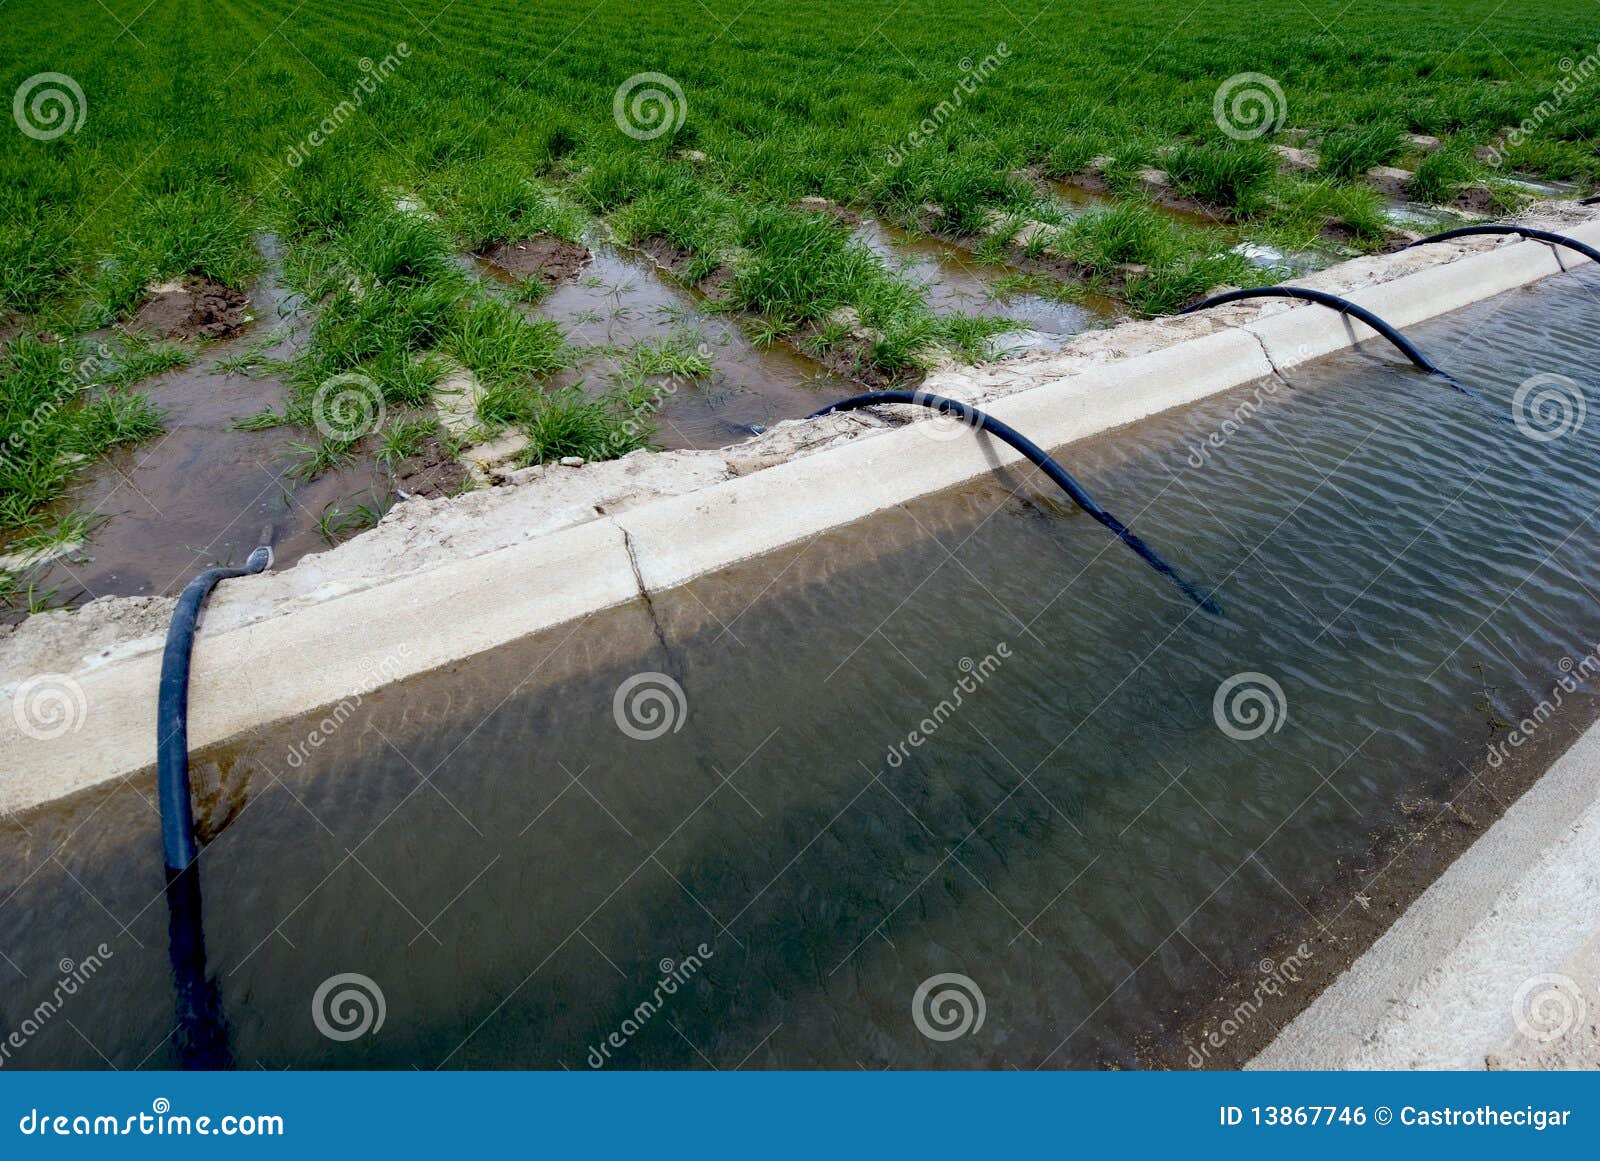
(260, 558)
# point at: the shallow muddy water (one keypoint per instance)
(201, 493)
(618, 300)
(971, 737)
(953, 281)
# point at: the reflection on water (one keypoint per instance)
(971, 737)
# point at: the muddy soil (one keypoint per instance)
(670, 258)
(816, 205)
(1475, 199)
(550, 260)
(850, 358)
(196, 309)
(201, 492)
(431, 472)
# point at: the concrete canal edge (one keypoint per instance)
(1495, 965)
(398, 602)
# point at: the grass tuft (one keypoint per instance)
(1349, 153)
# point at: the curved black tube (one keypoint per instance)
(982, 421)
(172, 712)
(1343, 306)
(1590, 200)
(200, 1036)
(1547, 236)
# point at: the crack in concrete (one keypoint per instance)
(649, 601)
(1267, 355)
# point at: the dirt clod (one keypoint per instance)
(551, 260)
(1292, 160)
(713, 285)
(1475, 199)
(197, 308)
(433, 471)
(820, 205)
(669, 256)
(1389, 180)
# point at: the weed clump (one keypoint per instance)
(1441, 174)
(204, 232)
(1349, 153)
(1232, 175)
(490, 204)
(569, 423)
(1162, 264)
(61, 405)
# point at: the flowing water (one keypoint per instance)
(972, 745)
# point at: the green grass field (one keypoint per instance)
(380, 142)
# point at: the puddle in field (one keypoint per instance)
(953, 281)
(1285, 263)
(1263, 256)
(617, 301)
(1426, 218)
(200, 493)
